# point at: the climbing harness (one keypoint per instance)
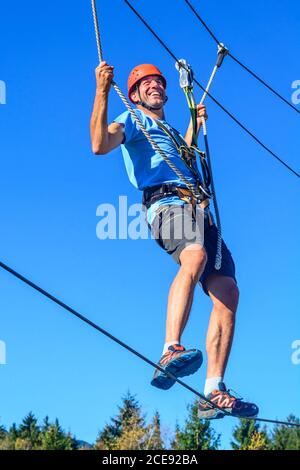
(188, 156)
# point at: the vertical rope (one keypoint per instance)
(218, 259)
(97, 31)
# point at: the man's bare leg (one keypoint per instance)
(224, 294)
(178, 361)
(192, 259)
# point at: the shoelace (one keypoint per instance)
(236, 395)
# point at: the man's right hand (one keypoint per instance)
(104, 76)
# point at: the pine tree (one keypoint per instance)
(46, 424)
(28, 433)
(286, 438)
(133, 436)
(54, 438)
(129, 411)
(9, 440)
(3, 432)
(13, 431)
(248, 436)
(259, 441)
(128, 430)
(154, 438)
(196, 434)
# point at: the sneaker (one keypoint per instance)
(179, 362)
(229, 403)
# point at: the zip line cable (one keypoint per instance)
(259, 79)
(239, 123)
(125, 346)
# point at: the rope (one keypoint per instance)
(254, 75)
(154, 145)
(218, 261)
(125, 346)
(209, 84)
(186, 83)
(239, 123)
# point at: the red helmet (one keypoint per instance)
(142, 71)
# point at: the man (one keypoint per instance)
(163, 192)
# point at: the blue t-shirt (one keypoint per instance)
(145, 167)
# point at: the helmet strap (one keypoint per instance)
(147, 106)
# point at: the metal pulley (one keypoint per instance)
(222, 53)
(186, 75)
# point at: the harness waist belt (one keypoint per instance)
(156, 193)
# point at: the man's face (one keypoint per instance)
(152, 91)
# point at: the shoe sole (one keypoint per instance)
(217, 414)
(176, 367)
(211, 414)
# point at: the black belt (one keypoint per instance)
(153, 194)
(156, 193)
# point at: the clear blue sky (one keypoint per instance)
(51, 185)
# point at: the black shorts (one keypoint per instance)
(176, 227)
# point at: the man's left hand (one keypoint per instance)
(201, 111)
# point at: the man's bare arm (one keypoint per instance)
(104, 137)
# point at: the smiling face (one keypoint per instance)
(151, 90)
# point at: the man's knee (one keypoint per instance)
(193, 260)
